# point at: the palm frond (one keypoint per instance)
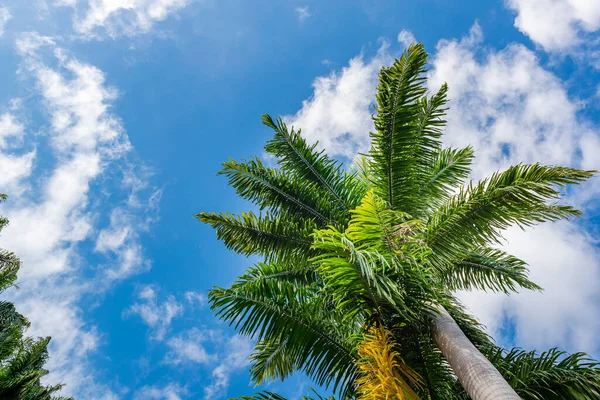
(445, 174)
(487, 269)
(270, 188)
(267, 235)
(320, 348)
(520, 195)
(9, 266)
(267, 395)
(551, 375)
(396, 135)
(304, 161)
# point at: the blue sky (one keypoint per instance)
(115, 116)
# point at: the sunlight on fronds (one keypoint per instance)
(384, 374)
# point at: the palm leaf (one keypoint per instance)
(267, 235)
(551, 375)
(520, 195)
(304, 161)
(486, 269)
(449, 169)
(271, 188)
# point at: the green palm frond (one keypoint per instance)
(488, 269)
(297, 279)
(304, 161)
(267, 235)
(9, 266)
(318, 347)
(408, 128)
(400, 88)
(267, 395)
(521, 195)
(270, 188)
(551, 375)
(385, 245)
(264, 395)
(447, 172)
(270, 361)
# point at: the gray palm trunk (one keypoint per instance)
(480, 379)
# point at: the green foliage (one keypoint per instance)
(267, 235)
(485, 269)
(521, 196)
(22, 358)
(382, 245)
(551, 375)
(294, 155)
(266, 395)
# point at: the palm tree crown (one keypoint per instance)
(364, 258)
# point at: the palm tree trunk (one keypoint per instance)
(480, 379)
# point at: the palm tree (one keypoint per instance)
(21, 358)
(379, 249)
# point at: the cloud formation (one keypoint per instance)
(302, 13)
(235, 356)
(56, 179)
(172, 391)
(556, 25)
(5, 16)
(155, 314)
(120, 17)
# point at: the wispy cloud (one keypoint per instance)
(57, 208)
(302, 13)
(120, 17)
(171, 391)
(5, 16)
(235, 356)
(155, 314)
(406, 38)
(195, 299)
(188, 347)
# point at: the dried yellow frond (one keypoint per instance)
(383, 373)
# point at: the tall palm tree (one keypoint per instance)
(379, 249)
(21, 358)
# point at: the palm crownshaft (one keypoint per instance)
(382, 246)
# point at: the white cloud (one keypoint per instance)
(302, 13)
(128, 17)
(556, 24)
(156, 315)
(121, 241)
(194, 298)
(10, 128)
(5, 16)
(56, 208)
(338, 114)
(171, 391)
(511, 110)
(17, 166)
(238, 350)
(187, 347)
(406, 38)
